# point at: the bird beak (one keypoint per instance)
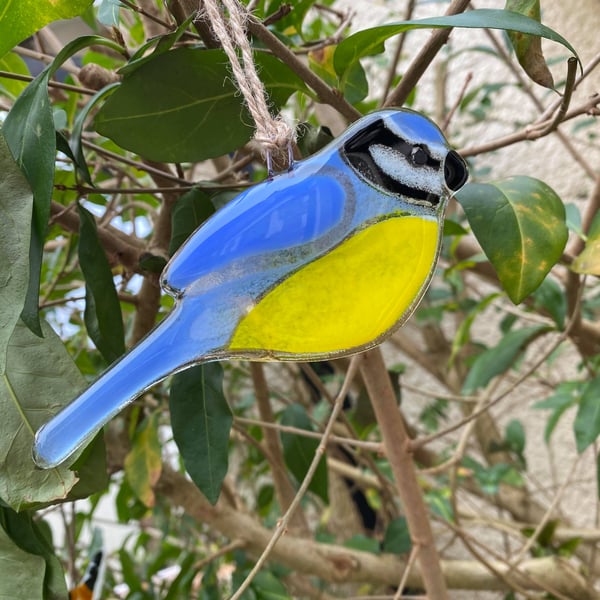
(456, 171)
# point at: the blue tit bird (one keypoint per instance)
(322, 261)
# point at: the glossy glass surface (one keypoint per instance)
(323, 261)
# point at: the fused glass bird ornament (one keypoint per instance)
(319, 262)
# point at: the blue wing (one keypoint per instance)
(286, 212)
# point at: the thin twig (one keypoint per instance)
(283, 522)
(325, 94)
(148, 15)
(393, 66)
(331, 40)
(134, 163)
(283, 487)
(532, 539)
(566, 99)
(235, 545)
(531, 132)
(564, 335)
(55, 84)
(414, 551)
(587, 70)
(421, 62)
(333, 439)
(203, 185)
(551, 109)
(45, 58)
(457, 102)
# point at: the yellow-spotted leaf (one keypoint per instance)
(588, 262)
(528, 48)
(520, 224)
(143, 464)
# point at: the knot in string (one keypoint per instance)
(273, 134)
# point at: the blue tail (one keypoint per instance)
(172, 346)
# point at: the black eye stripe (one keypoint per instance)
(357, 153)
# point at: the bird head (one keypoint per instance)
(401, 152)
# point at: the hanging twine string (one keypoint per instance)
(272, 133)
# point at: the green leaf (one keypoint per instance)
(397, 537)
(183, 106)
(29, 132)
(359, 541)
(311, 139)
(189, 212)
(528, 48)
(588, 262)
(568, 547)
(490, 477)
(371, 41)
(91, 470)
(201, 420)
(587, 420)
(598, 476)
(439, 503)
(497, 360)
(268, 587)
(162, 44)
(76, 133)
(108, 12)
(40, 378)
(514, 441)
(19, 19)
(515, 436)
(520, 224)
(565, 396)
(463, 332)
(550, 297)
(143, 464)
(299, 451)
(27, 535)
(22, 572)
(13, 63)
(353, 84)
(102, 315)
(16, 204)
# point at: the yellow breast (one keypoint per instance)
(347, 298)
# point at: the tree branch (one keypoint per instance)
(325, 94)
(424, 58)
(283, 487)
(397, 446)
(338, 564)
(120, 248)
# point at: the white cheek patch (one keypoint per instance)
(395, 165)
